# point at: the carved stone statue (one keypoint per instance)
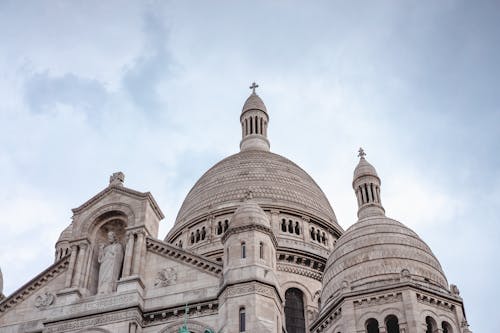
(110, 263)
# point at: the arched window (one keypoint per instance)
(219, 228)
(313, 234)
(318, 236)
(431, 325)
(198, 236)
(392, 324)
(192, 238)
(242, 320)
(283, 225)
(246, 126)
(251, 125)
(297, 228)
(290, 226)
(372, 326)
(261, 250)
(323, 238)
(261, 127)
(226, 225)
(243, 250)
(294, 311)
(446, 327)
(180, 244)
(203, 233)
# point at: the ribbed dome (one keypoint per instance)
(364, 169)
(249, 213)
(272, 179)
(67, 233)
(375, 252)
(254, 102)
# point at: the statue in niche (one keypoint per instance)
(110, 263)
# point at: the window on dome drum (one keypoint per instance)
(431, 325)
(192, 238)
(203, 233)
(290, 226)
(297, 228)
(243, 250)
(392, 324)
(294, 311)
(446, 327)
(242, 320)
(313, 234)
(226, 225)
(198, 236)
(283, 225)
(372, 326)
(219, 228)
(261, 250)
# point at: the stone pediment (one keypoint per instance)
(122, 191)
(184, 257)
(33, 286)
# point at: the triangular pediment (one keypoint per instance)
(122, 190)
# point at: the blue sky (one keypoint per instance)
(155, 88)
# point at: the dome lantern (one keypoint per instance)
(254, 120)
(366, 185)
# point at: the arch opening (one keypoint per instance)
(294, 311)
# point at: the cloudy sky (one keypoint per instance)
(155, 89)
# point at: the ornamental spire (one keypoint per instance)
(254, 121)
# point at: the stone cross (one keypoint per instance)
(361, 152)
(253, 86)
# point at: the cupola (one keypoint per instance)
(254, 121)
(366, 185)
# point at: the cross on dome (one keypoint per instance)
(253, 86)
(361, 153)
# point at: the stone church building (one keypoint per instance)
(256, 247)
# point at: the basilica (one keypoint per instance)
(256, 247)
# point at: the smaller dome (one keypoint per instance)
(254, 102)
(364, 169)
(67, 234)
(376, 252)
(249, 213)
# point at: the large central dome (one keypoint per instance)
(271, 179)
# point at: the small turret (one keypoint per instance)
(254, 120)
(366, 185)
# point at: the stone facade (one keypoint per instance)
(256, 247)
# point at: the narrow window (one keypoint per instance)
(192, 238)
(283, 225)
(226, 225)
(431, 324)
(313, 234)
(294, 311)
(261, 128)
(297, 228)
(180, 244)
(246, 126)
(363, 197)
(323, 238)
(261, 250)
(198, 236)
(251, 125)
(219, 228)
(203, 233)
(446, 327)
(242, 320)
(243, 250)
(366, 194)
(372, 326)
(318, 236)
(290, 226)
(392, 324)
(256, 127)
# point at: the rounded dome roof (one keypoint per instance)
(377, 251)
(249, 213)
(272, 179)
(254, 102)
(364, 169)
(66, 234)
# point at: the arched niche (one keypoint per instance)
(295, 321)
(110, 221)
(90, 225)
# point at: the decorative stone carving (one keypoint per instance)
(110, 260)
(117, 178)
(454, 290)
(44, 300)
(166, 277)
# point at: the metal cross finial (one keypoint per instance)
(253, 86)
(361, 152)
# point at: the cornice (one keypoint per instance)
(175, 253)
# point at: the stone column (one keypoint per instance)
(138, 252)
(71, 267)
(79, 264)
(129, 252)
